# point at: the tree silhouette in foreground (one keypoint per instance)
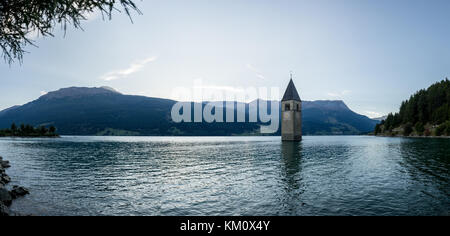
(21, 18)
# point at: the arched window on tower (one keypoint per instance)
(287, 107)
(298, 107)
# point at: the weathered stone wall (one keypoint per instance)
(291, 124)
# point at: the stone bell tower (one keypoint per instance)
(291, 114)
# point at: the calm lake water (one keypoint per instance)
(322, 175)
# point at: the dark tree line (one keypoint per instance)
(29, 131)
(20, 18)
(427, 106)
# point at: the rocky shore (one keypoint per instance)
(6, 197)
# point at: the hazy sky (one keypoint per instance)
(371, 54)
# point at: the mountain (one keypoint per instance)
(104, 111)
(380, 118)
(333, 117)
(8, 109)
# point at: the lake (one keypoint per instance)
(322, 175)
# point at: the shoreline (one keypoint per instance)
(402, 136)
(7, 196)
(57, 136)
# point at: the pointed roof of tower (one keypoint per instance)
(291, 92)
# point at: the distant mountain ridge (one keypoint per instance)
(380, 118)
(326, 104)
(78, 91)
(8, 109)
(105, 111)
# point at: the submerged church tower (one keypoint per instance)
(291, 114)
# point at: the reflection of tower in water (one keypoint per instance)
(291, 158)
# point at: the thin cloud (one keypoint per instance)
(133, 68)
(256, 71)
(373, 114)
(221, 88)
(33, 35)
(333, 94)
(90, 16)
(338, 94)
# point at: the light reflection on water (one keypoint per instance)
(322, 175)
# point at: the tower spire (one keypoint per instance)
(291, 92)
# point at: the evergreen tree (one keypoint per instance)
(28, 131)
(22, 129)
(52, 129)
(419, 128)
(389, 123)
(42, 130)
(407, 129)
(13, 128)
(427, 106)
(377, 129)
(441, 129)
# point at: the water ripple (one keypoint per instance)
(340, 175)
